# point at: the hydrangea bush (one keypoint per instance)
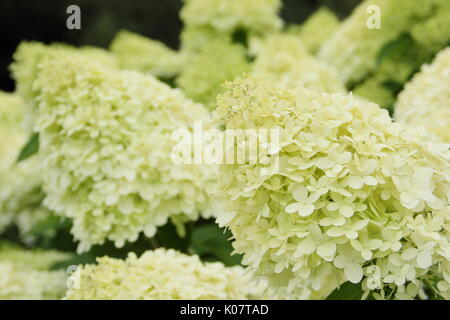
(347, 201)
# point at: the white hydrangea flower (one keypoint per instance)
(24, 274)
(105, 138)
(136, 52)
(425, 101)
(355, 197)
(283, 59)
(161, 274)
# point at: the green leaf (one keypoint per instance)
(30, 148)
(167, 237)
(211, 243)
(395, 48)
(347, 291)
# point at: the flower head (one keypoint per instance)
(352, 191)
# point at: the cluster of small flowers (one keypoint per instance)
(24, 274)
(353, 197)
(425, 100)
(103, 169)
(354, 48)
(135, 52)
(283, 59)
(216, 62)
(161, 274)
(209, 20)
(316, 29)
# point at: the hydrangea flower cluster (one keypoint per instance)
(316, 29)
(215, 63)
(12, 134)
(136, 52)
(283, 59)
(24, 274)
(209, 20)
(21, 196)
(354, 197)
(354, 48)
(105, 137)
(161, 274)
(425, 101)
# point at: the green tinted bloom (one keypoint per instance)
(317, 28)
(24, 274)
(205, 71)
(27, 57)
(348, 195)
(12, 134)
(21, 196)
(208, 20)
(283, 60)
(136, 52)
(354, 48)
(425, 99)
(162, 274)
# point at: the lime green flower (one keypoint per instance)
(24, 274)
(316, 29)
(27, 57)
(349, 196)
(425, 99)
(206, 70)
(105, 139)
(354, 48)
(206, 20)
(282, 59)
(136, 52)
(162, 274)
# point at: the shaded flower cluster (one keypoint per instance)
(425, 101)
(24, 274)
(27, 58)
(135, 52)
(354, 197)
(354, 48)
(161, 274)
(21, 196)
(316, 29)
(209, 20)
(12, 133)
(283, 59)
(206, 70)
(105, 137)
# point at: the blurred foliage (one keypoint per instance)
(101, 19)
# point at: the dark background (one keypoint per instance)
(45, 21)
